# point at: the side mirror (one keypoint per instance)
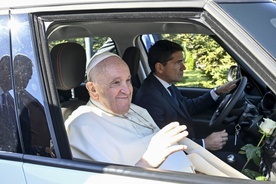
(234, 73)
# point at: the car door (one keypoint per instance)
(10, 157)
(44, 154)
(53, 163)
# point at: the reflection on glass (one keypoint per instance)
(9, 134)
(31, 113)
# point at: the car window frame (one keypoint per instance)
(45, 57)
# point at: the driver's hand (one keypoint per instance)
(227, 87)
(163, 144)
(216, 140)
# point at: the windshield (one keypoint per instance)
(258, 19)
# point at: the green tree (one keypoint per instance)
(213, 57)
(76, 40)
(204, 53)
(97, 42)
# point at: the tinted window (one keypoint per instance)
(259, 20)
(28, 94)
(8, 127)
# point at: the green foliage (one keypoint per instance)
(76, 40)
(253, 174)
(203, 52)
(97, 42)
(190, 62)
(194, 78)
(252, 152)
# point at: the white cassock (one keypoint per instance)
(94, 133)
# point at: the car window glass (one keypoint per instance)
(9, 140)
(207, 63)
(30, 103)
(262, 26)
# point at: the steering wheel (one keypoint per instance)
(228, 103)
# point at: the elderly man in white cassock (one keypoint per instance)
(109, 128)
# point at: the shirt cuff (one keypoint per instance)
(203, 143)
(214, 95)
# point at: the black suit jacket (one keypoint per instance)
(155, 98)
(9, 140)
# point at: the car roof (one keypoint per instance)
(32, 6)
(116, 3)
(56, 5)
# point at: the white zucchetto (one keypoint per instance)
(96, 59)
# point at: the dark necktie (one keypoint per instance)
(170, 88)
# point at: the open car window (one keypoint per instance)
(207, 63)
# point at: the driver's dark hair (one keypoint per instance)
(161, 52)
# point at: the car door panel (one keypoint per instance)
(11, 172)
(45, 174)
(62, 171)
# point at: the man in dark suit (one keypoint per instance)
(166, 104)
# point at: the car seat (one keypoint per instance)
(69, 62)
(132, 57)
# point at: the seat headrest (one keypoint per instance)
(69, 62)
(132, 57)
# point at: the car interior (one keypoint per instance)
(252, 100)
(69, 62)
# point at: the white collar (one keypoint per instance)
(164, 83)
(100, 106)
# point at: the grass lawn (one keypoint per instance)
(194, 78)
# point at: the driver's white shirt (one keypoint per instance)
(166, 85)
(95, 134)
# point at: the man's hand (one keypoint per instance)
(216, 140)
(163, 144)
(227, 87)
